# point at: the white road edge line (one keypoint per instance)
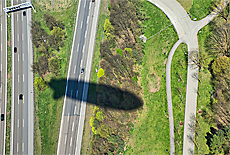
(81, 23)
(73, 126)
(74, 69)
(87, 19)
(84, 4)
(17, 17)
(18, 58)
(17, 147)
(81, 62)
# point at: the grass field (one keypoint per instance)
(47, 109)
(151, 134)
(93, 78)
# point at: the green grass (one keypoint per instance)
(201, 8)
(151, 134)
(47, 109)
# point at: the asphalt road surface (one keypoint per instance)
(3, 75)
(22, 82)
(72, 123)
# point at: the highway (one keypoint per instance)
(3, 75)
(73, 114)
(22, 82)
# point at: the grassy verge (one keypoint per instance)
(9, 64)
(204, 89)
(93, 78)
(47, 109)
(186, 4)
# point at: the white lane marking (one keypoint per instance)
(81, 23)
(65, 138)
(1, 27)
(23, 57)
(1, 89)
(18, 101)
(77, 47)
(74, 110)
(18, 78)
(81, 62)
(78, 78)
(22, 147)
(1, 69)
(18, 57)
(70, 141)
(18, 122)
(85, 33)
(18, 37)
(74, 69)
(17, 147)
(17, 17)
(73, 126)
(84, 4)
(77, 94)
(83, 49)
(89, 6)
(23, 77)
(68, 118)
(87, 19)
(71, 93)
(1, 46)
(22, 34)
(23, 123)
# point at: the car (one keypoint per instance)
(20, 97)
(2, 117)
(24, 13)
(15, 50)
(93, 0)
(82, 70)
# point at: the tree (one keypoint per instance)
(100, 73)
(222, 7)
(43, 64)
(108, 28)
(38, 34)
(220, 41)
(54, 65)
(39, 84)
(220, 67)
(44, 49)
(57, 38)
(51, 22)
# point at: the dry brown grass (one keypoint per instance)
(186, 4)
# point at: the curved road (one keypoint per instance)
(187, 32)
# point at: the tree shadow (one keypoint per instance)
(209, 136)
(107, 96)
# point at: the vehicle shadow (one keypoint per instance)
(107, 96)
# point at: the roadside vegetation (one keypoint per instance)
(52, 30)
(9, 86)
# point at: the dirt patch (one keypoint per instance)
(152, 86)
(8, 76)
(55, 5)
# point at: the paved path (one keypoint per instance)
(187, 32)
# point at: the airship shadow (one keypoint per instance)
(107, 96)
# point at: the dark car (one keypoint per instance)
(93, 0)
(82, 70)
(20, 97)
(15, 50)
(24, 13)
(2, 117)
